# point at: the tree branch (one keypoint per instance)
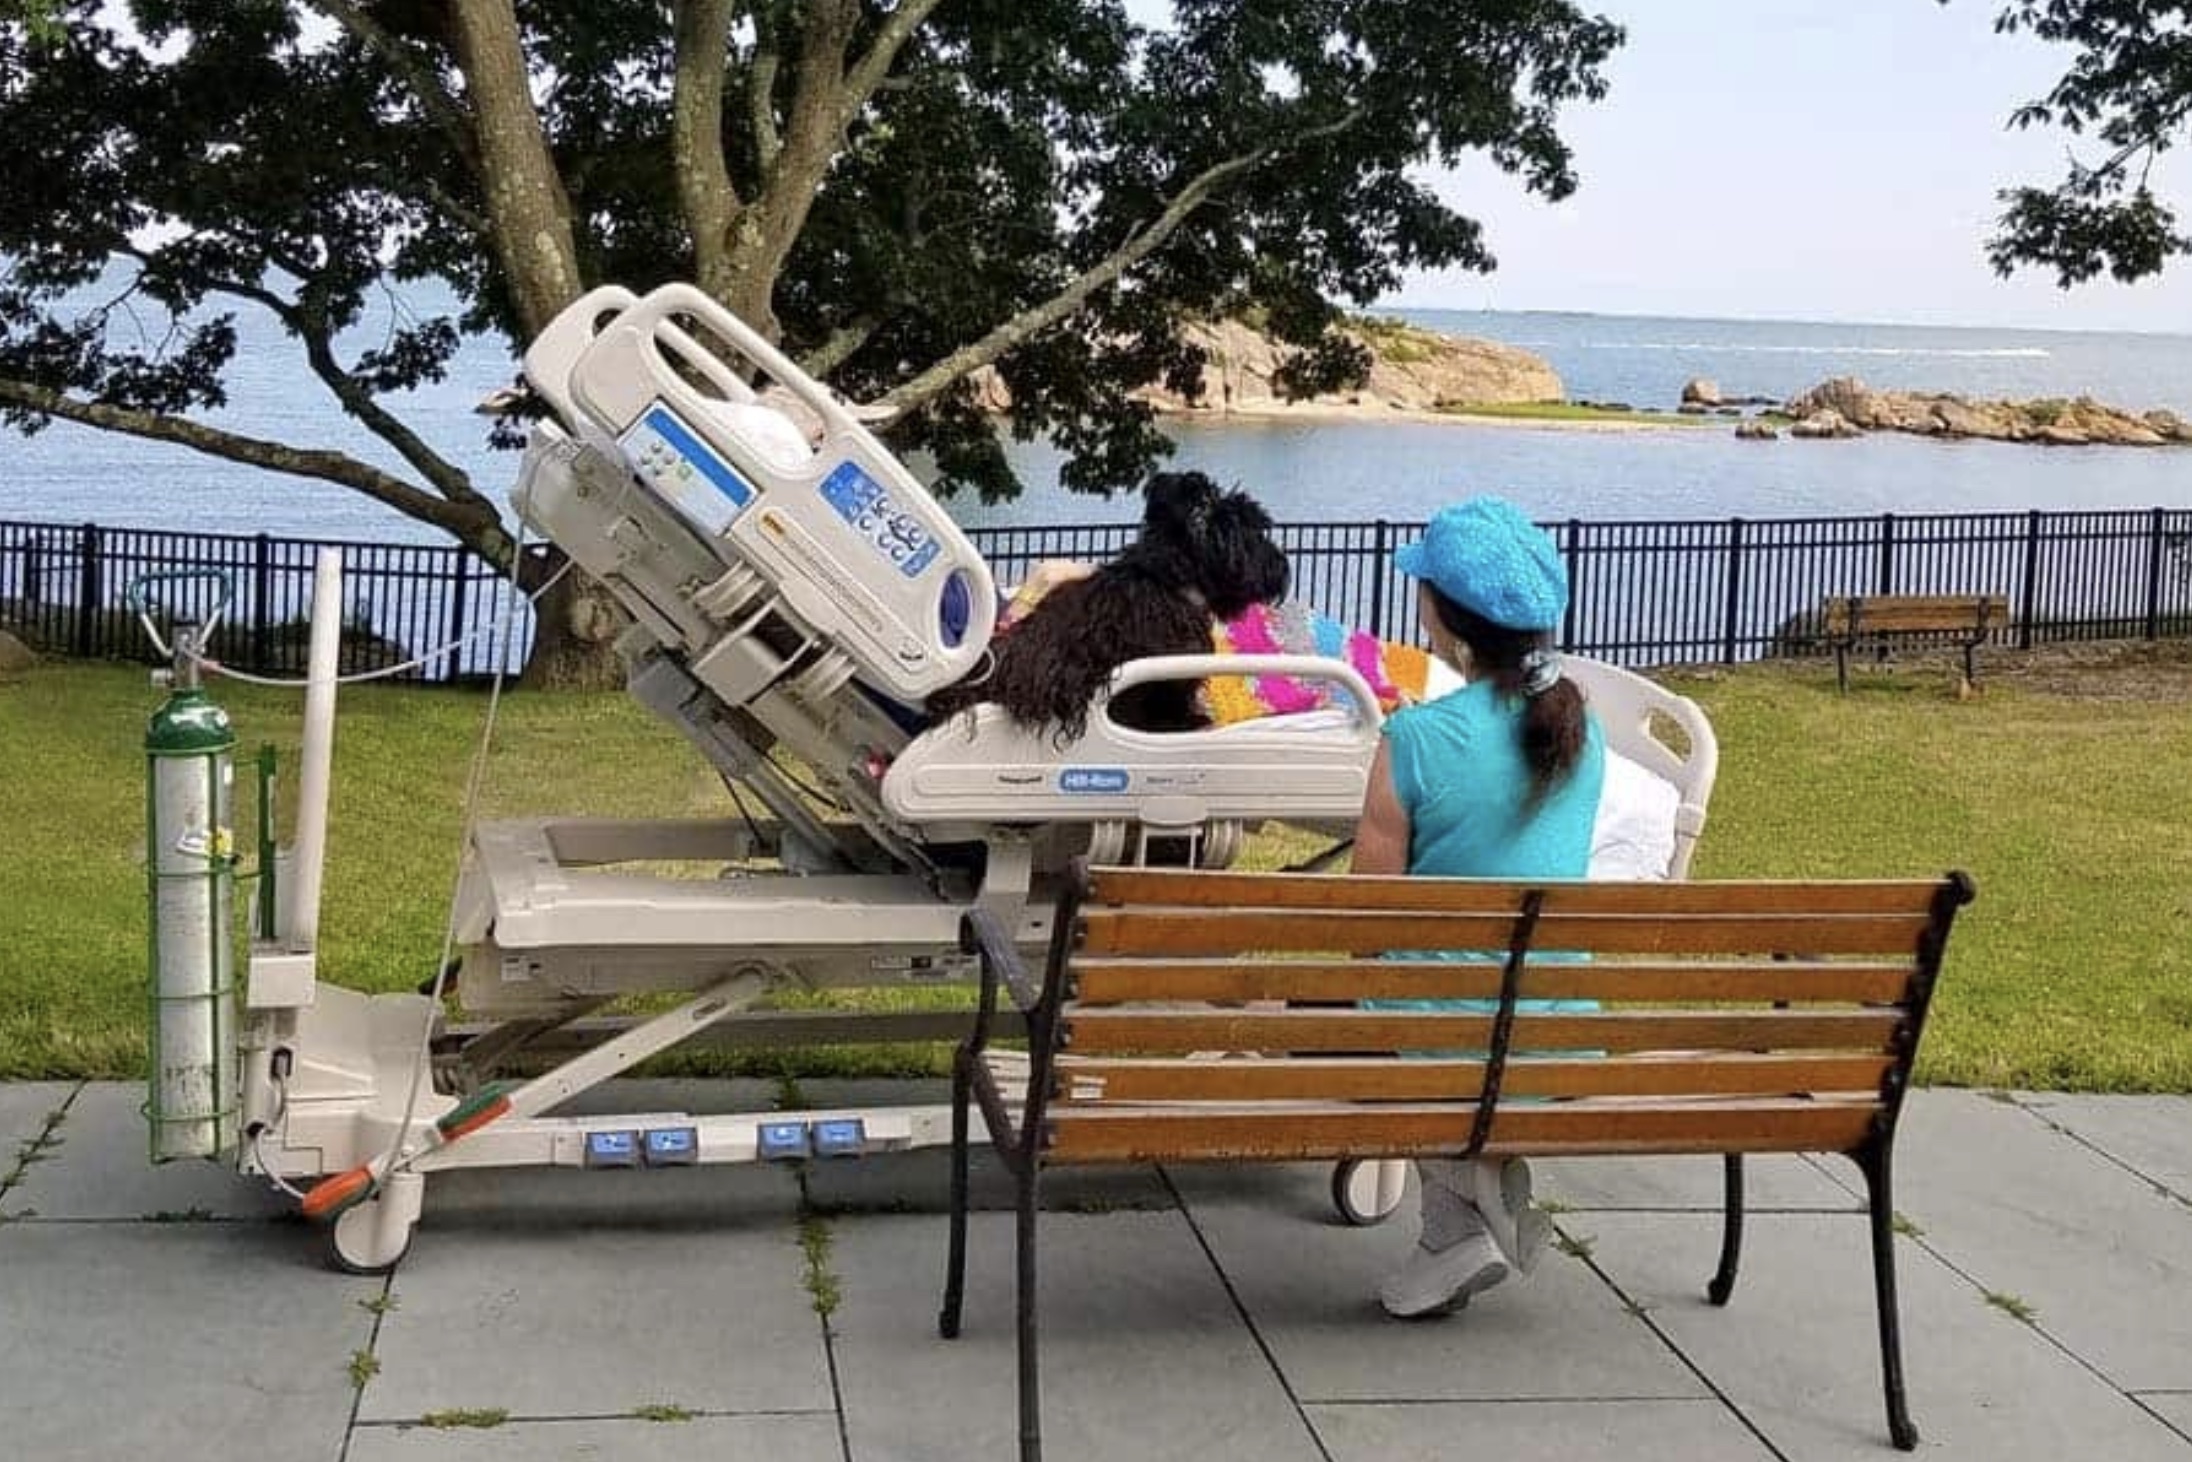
(474, 522)
(702, 41)
(444, 109)
(1031, 322)
(764, 233)
(761, 87)
(839, 348)
(452, 482)
(868, 72)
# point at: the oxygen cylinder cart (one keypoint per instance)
(190, 874)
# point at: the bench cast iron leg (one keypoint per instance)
(1841, 668)
(1874, 1162)
(1731, 1234)
(1031, 1406)
(955, 1266)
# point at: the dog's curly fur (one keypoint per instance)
(1203, 554)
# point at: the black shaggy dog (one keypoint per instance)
(1204, 554)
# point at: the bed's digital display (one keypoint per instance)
(889, 529)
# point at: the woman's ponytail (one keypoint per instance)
(1523, 663)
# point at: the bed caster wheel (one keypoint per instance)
(372, 1237)
(1367, 1191)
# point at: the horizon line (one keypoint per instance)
(1844, 323)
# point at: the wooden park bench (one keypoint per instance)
(1773, 1017)
(1966, 619)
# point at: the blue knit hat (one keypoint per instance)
(1491, 560)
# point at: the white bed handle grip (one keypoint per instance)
(651, 316)
(1368, 715)
(553, 353)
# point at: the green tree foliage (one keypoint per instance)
(901, 194)
(2129, 87)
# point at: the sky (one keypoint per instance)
(1798, 159)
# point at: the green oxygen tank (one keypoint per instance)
(190, 868)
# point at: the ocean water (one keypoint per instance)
(1304, 471)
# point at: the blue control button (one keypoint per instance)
(612, 1149)
(669, 1147)
(776, 1141)
(842, 1137)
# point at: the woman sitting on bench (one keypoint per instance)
(1501, 779)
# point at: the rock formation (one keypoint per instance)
(2078, 422)
(1411, 370)
(1822, 423)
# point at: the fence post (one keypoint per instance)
(1735, 591)
(262, 602)
(2154, 575)
(1378, 577)
(1573, 552)
(460, 563)
(2031, 588)
(87, 591)
(1886, 578)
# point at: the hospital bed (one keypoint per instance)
(794, 597)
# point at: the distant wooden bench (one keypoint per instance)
(1736, 1017)
(1874, 618)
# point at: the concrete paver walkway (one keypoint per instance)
(1196, 1314)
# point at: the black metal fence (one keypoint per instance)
(1643, 593)
(65, 588)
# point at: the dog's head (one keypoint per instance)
(1216, 542)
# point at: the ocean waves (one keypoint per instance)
(1730, 347)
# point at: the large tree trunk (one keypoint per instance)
(575, 626)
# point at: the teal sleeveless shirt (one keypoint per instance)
(1459, 772)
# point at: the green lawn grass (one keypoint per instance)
(2070, 971)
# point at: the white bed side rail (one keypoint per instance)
(980, 767)
(1368, 716)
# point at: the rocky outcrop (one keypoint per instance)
(1755, 430)
(14, 654)
(2079, 422)
(1823, 423)
(1411, 370)
(1703, 391)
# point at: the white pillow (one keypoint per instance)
(768, 432)
(1633, 837)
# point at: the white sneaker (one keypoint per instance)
(1501, 1192)
(1442, 1282)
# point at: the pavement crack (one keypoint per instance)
(1240, 1308)
(816, 1239)
(39, 1147)
(1642, 1314)
(378, 1306)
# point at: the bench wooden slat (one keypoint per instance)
(1197, 931)
(1915, 613)
(1291, 1134)
(1123, 981)
(1132, 1030)
(1082, 1081)
(1242, 891)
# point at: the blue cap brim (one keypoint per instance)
(1409, 559)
